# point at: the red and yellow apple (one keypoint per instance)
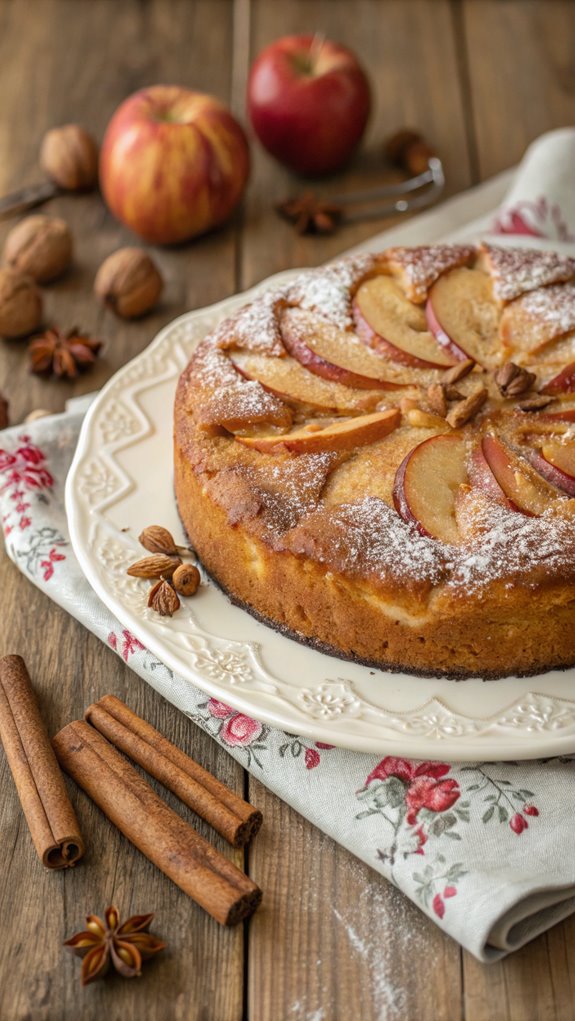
(309, 102)
(174, 163)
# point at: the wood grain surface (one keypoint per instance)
(332, 941)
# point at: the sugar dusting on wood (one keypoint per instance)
(381, 930)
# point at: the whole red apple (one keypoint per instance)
(308, 101)
(174, 163)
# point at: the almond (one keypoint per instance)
(156, 566)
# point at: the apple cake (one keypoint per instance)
(378, 459)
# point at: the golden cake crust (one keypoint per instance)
(354, 498)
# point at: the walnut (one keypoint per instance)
(69, 155)
(40, 246)
(20, 304)
(129, 282)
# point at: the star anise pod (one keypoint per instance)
(310, 214)
(62, 354)
(124, 946)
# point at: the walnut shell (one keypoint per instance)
(69, 155)
(20, 304)
(129, 282)
(40, 246)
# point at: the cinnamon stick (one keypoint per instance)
(235, 819)
(39, 781)
(156, 830)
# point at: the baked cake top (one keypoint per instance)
(407, 418)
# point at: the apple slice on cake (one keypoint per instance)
(482, 478)
(339, 355)
(462, 315)
(556, 463)
(287, 378)
(562, 383)
(528, 491)
(314, 438)
(426, 485)
(386, 320)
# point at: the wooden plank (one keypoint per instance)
(59, 62)
(38, 910)
(333, 939)
(535, 984)
(411, 88)
(77, 63)
(520, 58)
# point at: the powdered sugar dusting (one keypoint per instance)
(328, 290)
(424, 264)
(378, 934)
(370, 537)
(243, 404)
(212, 368)
(289, 489)
(255, 327)
(518, 270)
(553, 307)
(508, 543)
(230, 400)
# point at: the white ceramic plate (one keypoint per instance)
(121, 478)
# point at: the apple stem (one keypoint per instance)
(305, 63)
(316, 47)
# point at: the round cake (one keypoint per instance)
(378, 459)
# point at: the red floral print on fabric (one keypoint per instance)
(240, 730)
(435, 795)
(48, 564)
(538, 218)
(130, 644)
(237, 728)
(25, 469)
(406, 770)
(311, 758)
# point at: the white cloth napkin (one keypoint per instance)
(485, 849)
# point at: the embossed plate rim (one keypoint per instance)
(427, 717)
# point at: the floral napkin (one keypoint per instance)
(484, 849)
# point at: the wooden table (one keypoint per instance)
(481, 78)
